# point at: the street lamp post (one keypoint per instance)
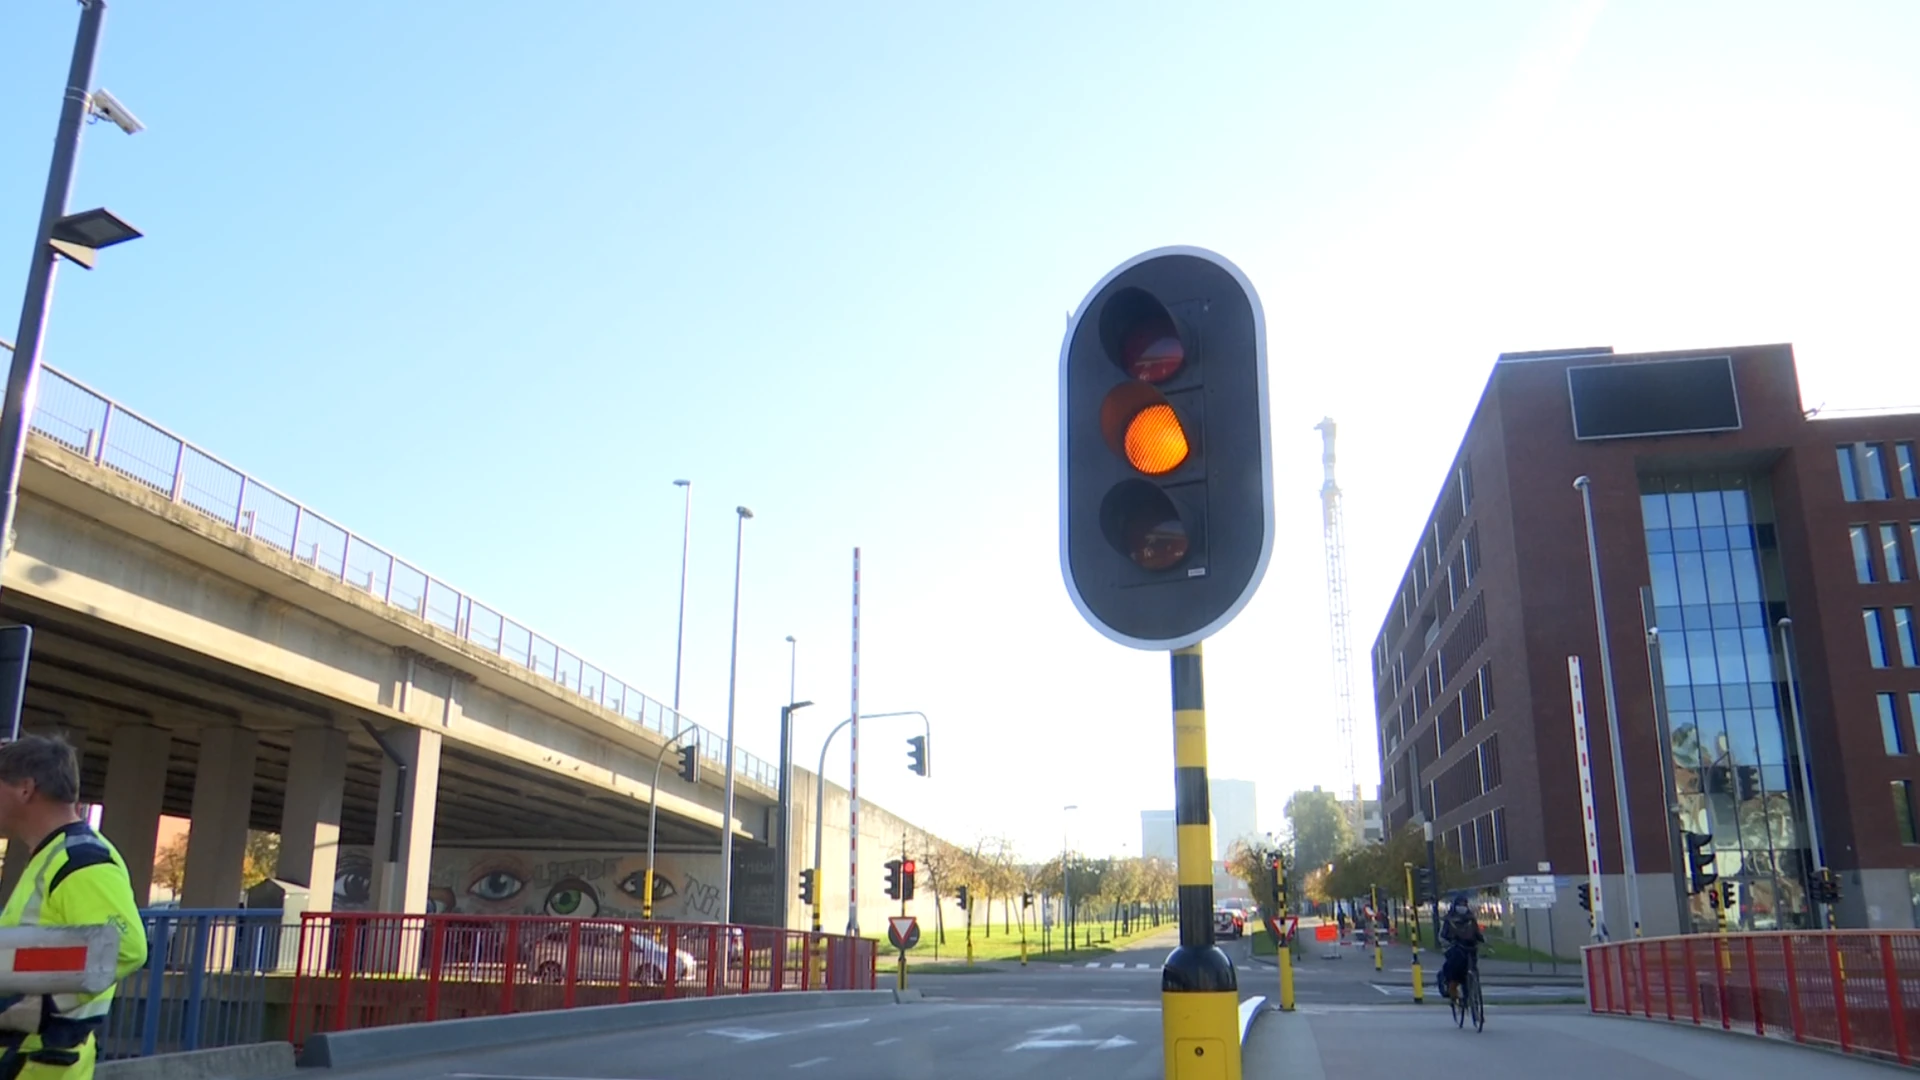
(733, 670)
(60, 235)
(1627, 866)
(782, 854)
(653, 818)
(1066, 878)
(680, 634)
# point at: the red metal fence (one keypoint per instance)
(364, 970)
(1845, 990)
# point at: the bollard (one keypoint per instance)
(1023, 950)
(1286, 974)
(1419, 981)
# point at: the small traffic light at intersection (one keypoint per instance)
(1701, 871)
(1424, 889)
(1586, 896)
(1026, 900)
(806, 887)
(961, 895)
(1166, 493)
(893, 879)
(917, 754)
(1826, 886)
(908, 868)
(690, 763)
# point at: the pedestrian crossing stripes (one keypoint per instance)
(1095, 965)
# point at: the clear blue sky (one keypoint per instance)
(481, 279)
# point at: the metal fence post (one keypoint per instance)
(159, 947)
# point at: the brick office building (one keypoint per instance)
(1725, 509)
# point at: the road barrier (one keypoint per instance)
(363, 970)
(1843, 990)
(204, 985)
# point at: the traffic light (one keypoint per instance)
(961, 895)
(917, 754)
(1026, 900)
(806, 887)
(908, 869)
(690, 763)
(1701, 872)
(893, 879)
(1826, 886)
(1166, 494)
(16, 643)
(1424, 890)
(1586, 897)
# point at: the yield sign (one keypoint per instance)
(903, 931)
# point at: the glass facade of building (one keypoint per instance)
(1718, 589)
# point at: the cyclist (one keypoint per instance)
(1462, 935)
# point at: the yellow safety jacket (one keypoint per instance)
(75, 878)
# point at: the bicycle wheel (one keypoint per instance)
(1458, 1003)
(1478, 1005)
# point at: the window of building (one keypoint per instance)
(1903, 809)
(1862, 554)
(1876, 639)
(1849, 476)
(1892, 735)
(1500, 835)
(1466, 486)
(1913, 710)
(1890, 553)
(1873, 472)
(1486, 688)
(1903, 461)
(1903, 631)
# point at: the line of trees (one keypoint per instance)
(995, 878)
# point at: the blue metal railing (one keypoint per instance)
(204, 984)
(104, 432)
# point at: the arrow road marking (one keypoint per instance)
(1064, 1029)
(840, 1024)
(1043, 1040)
(740, 1034)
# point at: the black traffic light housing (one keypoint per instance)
(1424, 889)
(917, 754)
(908, 871)
(1026, 900)
(690, 763)
(16, 644)
(1586, 896)
(1701, 871)
(806, 886)
(1166, 493)
(961, 895)
(893, 879)
(1826, 886)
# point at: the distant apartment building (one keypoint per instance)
(1157, 839)
(1761, 558)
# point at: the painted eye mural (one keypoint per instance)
(574, 898)
(635, 885)
(440, 900)
(352, 882)
(496, 885)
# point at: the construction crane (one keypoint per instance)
(1337, 618)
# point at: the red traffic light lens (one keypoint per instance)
(1152, 350)
(907, 867)
(1142, 523)
(1141, 337)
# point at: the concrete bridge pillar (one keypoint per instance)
(403, 836)
(131, 803)
(222, 809)
(310, 822)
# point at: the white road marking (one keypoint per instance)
(1143, 967)
(840, 1024)
(811, 1062)
(887, 1042)
(738, 1034)
(1094, 964)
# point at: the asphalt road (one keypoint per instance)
(940, 1040)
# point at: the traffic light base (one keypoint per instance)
(1200, 1015)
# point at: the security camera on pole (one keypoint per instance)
(1166, 527)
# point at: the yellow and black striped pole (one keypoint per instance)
(1199, 994)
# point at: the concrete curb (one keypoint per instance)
(369, 1046)
(224, 1063)
(1249, 1009)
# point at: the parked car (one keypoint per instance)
(598, 959)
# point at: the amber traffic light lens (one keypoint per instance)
(1155, 442)
(1152, 350)
(1142, 523)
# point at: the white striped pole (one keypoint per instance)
(853, 770)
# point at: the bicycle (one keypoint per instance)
(1467, 1001)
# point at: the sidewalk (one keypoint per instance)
(1523, 1044)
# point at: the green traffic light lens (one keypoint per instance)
(1143, 524)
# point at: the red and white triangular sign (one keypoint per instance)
(903, 924)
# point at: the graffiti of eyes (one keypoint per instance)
(352, 888)
(573, 897)
(497, 886)
(635, 885)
